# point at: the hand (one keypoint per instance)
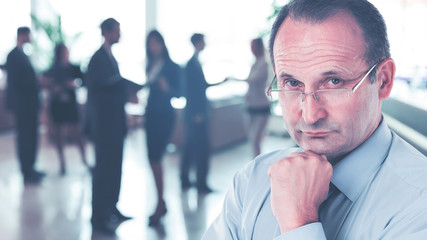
(71, 84)
(299, 184)
(133, 99)
(45, 81)
(132, 95)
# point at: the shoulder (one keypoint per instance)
(407, 163)
(192, 61)
(170, 64)
(98, 57)
(100, 52)
(396, 198)
(13, 53)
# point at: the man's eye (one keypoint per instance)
(292, 83)
(335, 81)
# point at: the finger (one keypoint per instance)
(307, 154)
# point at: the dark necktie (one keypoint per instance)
(333, 211)
(332, 189)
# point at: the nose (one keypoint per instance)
(312, 111)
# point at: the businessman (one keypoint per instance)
(351, 177)
(22, 99)
(107, 95)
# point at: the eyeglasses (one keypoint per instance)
(326, 97)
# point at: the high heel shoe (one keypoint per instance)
(158, 214)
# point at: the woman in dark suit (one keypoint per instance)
(163, 79)
(63, 107)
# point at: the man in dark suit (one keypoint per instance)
(107, 95)
(22, 99)
(196, 147)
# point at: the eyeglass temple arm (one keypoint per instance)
(271, 86)
(363, 79)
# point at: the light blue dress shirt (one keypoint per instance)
(381, 194)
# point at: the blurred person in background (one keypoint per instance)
(257, 102)
(196, 152)
(63, 106)
(163, 80)
(107, 94)
(22, 99)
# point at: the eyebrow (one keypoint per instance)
(285, 75)
(328, 73)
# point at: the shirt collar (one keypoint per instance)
(353, 172)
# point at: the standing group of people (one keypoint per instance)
(22, 99)
(105, 117)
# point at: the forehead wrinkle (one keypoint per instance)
(317, 48)
(333, 60)
(308, 57)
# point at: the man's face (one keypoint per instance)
(25, 37)
(313, 56)
(113, 36)
(201, 45)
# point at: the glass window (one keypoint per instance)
(408, 37)
(228, 27)
(15, 14)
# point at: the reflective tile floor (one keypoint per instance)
(60, 207)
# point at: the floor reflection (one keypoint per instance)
(60, 208)
(31, 215)
(194, 209)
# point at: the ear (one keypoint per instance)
(385, 77)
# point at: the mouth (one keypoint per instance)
(316, 134)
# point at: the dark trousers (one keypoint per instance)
(196, 152)
(107, 175)
(26, 139)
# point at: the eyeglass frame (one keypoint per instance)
(303, 94)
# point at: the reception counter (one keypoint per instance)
(227, 125)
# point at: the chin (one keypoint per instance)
(319, 146)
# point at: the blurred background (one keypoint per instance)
(60, 207)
